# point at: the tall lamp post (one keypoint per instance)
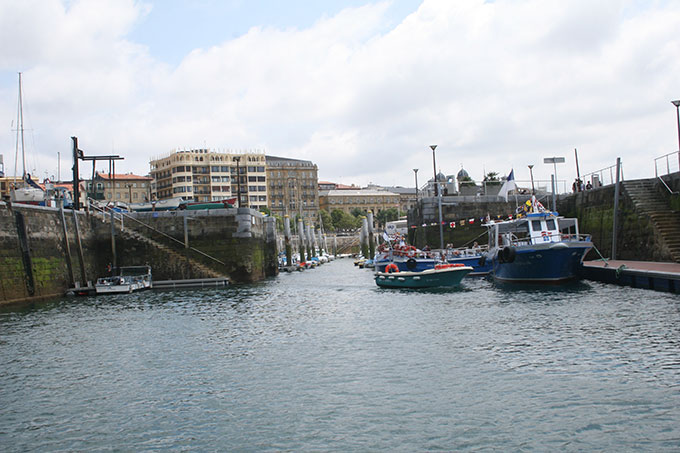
(531, 173)
(438, 192)
(415, 170)
(677, 115)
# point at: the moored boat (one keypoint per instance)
(539, 247)
(410, 259)
(128, 280)
(440, 275)
(156, 205)
(215, 204)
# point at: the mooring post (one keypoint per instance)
(81, 258)
(113, 239)
(286, 232)
(335, 245)
(309, 242)
(363, 237)
(616, 207)
(22, 234)
(301, 239)
(67, 247)
(371, 236)
(186, 230)
(312, 240)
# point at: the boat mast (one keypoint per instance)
(20, 137)
(21, 130)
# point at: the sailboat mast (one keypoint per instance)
(20, 135)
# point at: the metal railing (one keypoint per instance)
(120, 216)
(667, 164)
(602, 177)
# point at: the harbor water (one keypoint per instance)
(324, 360)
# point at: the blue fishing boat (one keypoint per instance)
(438, 276)
(410, 259)
(539, 247)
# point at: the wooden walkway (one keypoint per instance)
(638, 274)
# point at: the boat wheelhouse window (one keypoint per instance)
(536, 225)
(550, 223)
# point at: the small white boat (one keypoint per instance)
(160, 205)
(128, 280)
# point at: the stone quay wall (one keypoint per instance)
(636, 236)
(42, 253)
(46, 251)
(241, 238)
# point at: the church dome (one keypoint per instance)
(462, 174)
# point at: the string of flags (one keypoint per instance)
(521, 211)
(474, 220)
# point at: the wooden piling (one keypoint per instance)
(371, 236)
(301, 239)
(288, 248)
(67, 246)
(363, 237)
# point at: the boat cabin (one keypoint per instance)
(533, 229)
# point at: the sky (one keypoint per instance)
(361, 88)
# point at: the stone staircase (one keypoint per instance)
(647, 201)
(198, 268)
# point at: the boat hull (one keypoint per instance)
(430, 278)
(479, 264)
(541, 265)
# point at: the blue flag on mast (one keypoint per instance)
(508, 185)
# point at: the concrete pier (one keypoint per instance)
(637, 274)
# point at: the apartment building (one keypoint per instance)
(293, 187)
(126, 187)
(207, 175)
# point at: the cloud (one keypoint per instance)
(495, 84)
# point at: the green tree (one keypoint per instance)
(344, 221)
(387, 215)
(492, 176)
(326, 220)
(356, 212)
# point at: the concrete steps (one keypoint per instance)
(173, 255)
(647, 201)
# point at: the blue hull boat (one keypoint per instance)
(415, 262)
(540, 247)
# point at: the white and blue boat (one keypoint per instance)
(410, 259)
(539, 247)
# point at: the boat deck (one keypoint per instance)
(638, 274)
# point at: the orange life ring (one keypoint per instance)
(390, 268)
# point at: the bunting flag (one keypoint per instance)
(471, 221)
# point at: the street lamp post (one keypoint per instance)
(677, 115)
(438, 192)
(415, 170)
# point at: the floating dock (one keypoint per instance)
(191, 283)
(638, 274)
